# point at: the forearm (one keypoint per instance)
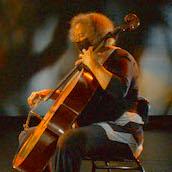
(113, 84)
(102, 75)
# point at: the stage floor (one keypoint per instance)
(156, 157)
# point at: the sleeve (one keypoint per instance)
(120, 65)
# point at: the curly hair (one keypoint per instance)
(97, 25)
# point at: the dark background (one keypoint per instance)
(35, 53)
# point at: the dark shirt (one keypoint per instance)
(120, 94)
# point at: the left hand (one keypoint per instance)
(87, 57)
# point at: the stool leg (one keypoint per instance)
(142, 169)
(107, 164)
(140, 166)
(93, 167)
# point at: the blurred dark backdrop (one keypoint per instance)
(35, 52)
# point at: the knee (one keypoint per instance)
(66, 140)
(70, 140)
(24, 135)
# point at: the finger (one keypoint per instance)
(33, 95)
(30, 102)
(84, 50)
(80, 56)
(32, 98)
(78, 62)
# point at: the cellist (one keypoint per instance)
(109, 124)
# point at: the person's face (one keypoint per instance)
(79, 32)
(80, 35)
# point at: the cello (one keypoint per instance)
(36, 151)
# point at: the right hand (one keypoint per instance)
(36, 96)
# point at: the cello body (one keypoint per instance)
(37, 150)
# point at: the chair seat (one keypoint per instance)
(142, 108)
(121, 163)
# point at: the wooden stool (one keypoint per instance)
(106, 164)
(143, 109)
